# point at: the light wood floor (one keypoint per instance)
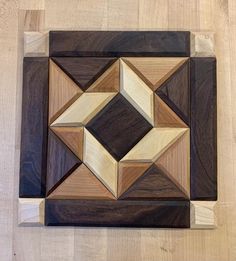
(30, 244)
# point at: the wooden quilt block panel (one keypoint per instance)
(128, 119)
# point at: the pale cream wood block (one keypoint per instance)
(83, 109)
(32, 4)
(154, 71)
(153, 144)
(175, 162)
(202, 214)
(33, 20)
(99, 160)
(31, 211)
(63, 91)
(36, 44)
(135, 90)
(109, 81)
(202, 44)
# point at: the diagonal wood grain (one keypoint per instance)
(81, 184)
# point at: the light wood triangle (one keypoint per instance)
(154, 71)
(81, 184)
(72, 137)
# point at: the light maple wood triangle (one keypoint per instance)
(109, 81)
(175, 162)
(164, 116)
(128, 173)
(62, 91)
(81, 184)
(154, 71)
(72, 137)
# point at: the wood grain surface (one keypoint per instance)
(175, 92)
(154, 184)
(84, 70)
(82, 43)
(33, 160)
(111, 213)
(70, 244)
(81, 184)
(118, 127)
(203, 129)
(61, 161)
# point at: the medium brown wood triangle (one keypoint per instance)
(62, 91)
(72, 137)
(81, 184)
(128, 173)
(84, 70)
(175, 163)
(153, 185)
(154, 71)
(109, 81)
(164, 116)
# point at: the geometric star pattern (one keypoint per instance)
(116, 117)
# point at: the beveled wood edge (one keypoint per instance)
(203, 215)
(31, 212)
(202, 44)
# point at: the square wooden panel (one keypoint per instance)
(119, 129)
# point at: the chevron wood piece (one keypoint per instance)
(164, 116)
(63, 91)
(153, 144)
(175, 163)
(35, 44)
(61, 162)
(152, 185)
(203, 129)
(202, 214)
(175, 92)
(83, 109)
(72, 137)
(31, 211)
(84, 70)
(128, 173)
(81, 184)
(119, 43)
(33, 158)
(135, 90)
(118, 127)
(101, 163)
(117, 213)
(154, 71)
(202, 44)
(109, 81)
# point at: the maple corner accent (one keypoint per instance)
(119, 130)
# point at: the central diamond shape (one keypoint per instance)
(118, 127)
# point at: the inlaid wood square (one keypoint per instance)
(119, 129)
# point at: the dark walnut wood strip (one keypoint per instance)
(203, 129)
(119, 43)
(33, 160)
(107, 213)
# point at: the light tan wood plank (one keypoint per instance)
(202, 44)
(81, 184)
(175, 162)
(154, 71)
(83, 109)
(73, 137)
(136, 92)
(153, 144)
(128, 173)
(62, 91)
(108, 81)
(33, 20)
(202, 214)
(31, 211)
(35, 44)
(32, 4)
(164, 116)
(102, 164)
